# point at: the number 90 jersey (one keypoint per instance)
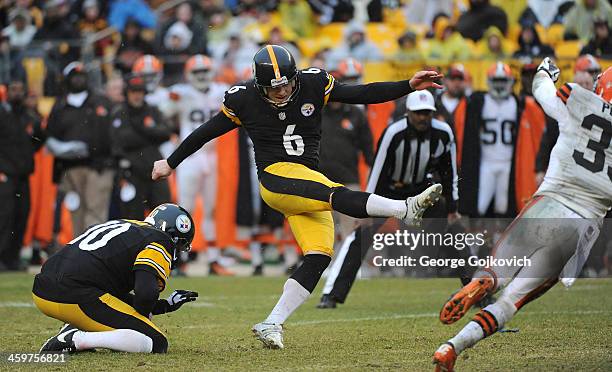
(291, 133)
(580, 171)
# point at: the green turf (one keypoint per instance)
(388, 324)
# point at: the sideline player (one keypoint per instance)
(195, 103)
(87, 284)
(281, 111)
(576, 193)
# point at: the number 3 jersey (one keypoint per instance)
(285, 134)
(580, 171)
(103, 260)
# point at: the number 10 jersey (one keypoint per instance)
(291, 133)
(580, 171)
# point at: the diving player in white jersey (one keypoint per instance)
(195, 103)
(576, 193)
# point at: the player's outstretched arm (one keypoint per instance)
(544, 90)
(217, 126)
(384, 91)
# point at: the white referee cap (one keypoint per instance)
(420, 100)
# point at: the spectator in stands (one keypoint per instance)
(408, 49)
(424, 12)
(579, 19)
(175, 51)
(79, 138)
(57, 29)
(276, 37)
(132, 47)
(122, 10)
(20, 137)
(355, 45)
(92, 22)
(479, 18)
(297, 14)
(235, 58)
(530, 45)
(600, 44)
(36, 15)
(447, 44)
(345, 127)
(137, 130)
(544, 12)
(205, 9)
(493, 45)
(184, 14)
(20, 31)
(333, 10)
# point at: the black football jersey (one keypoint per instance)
(282, 134)
(106, 255)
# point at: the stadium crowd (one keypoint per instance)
(94, 82)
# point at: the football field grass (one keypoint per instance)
(387, 324)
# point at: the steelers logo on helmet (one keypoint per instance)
(183, 224)
(174, 221)
(276, 75)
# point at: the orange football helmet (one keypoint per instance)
(603, 85)
(349, 69)
(151, 68)
(500, 80)
(198, 71)
(589, 64)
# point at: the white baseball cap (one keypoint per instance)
(420, 100)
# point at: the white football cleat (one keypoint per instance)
(270, 334)
(417, 205)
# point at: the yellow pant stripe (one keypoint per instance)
(118, 305)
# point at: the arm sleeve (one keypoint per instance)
(217, 126)
(145, 292)
(370, 93)
(545, 93)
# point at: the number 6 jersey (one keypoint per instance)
(285, 134)
(580, 171)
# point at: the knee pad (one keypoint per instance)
(309, 273)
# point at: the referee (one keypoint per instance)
(409, 151)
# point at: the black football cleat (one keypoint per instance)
(62, 342)
(327, 302)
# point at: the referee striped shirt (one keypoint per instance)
(406, 159)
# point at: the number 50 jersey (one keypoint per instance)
(580, 171)
(291, 133)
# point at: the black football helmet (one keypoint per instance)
(274, 66)
(174, 221)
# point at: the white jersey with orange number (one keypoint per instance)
(194, 107)
(579, 174)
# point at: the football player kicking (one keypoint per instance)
(576, 193)
(87, 284)
(280, 108)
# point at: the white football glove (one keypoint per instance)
(548, 66)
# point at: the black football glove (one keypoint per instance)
(548, 66)
(174, 301)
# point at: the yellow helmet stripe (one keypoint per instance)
(277, 74)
